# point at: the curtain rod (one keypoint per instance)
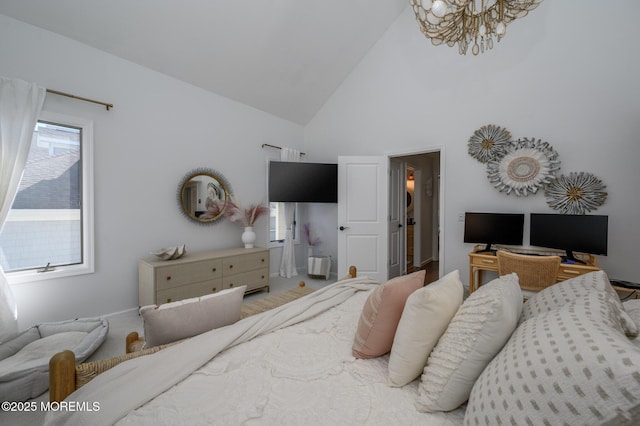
(68, 95)
(277, 147)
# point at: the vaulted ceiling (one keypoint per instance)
(285, 57)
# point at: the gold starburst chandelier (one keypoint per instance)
(469, 22)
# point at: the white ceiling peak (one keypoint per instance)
(285, 57)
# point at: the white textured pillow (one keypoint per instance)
(572, 366)
(182, 320)
(425, 317)
(475, 335)
(561, 293)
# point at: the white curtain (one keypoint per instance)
(20, 106)
(288, 263)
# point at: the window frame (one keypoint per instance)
(88, 251)
(296, 232)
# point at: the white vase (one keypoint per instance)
(248, 237)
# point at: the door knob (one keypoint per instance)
(342, 228)
(399, 225)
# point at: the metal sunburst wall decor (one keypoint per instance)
(577, 193)
(489, 143)
(528, 166)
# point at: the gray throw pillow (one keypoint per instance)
(193, 317)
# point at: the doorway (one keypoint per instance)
(367, 202)
(421, 205)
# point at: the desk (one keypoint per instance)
(479, 262)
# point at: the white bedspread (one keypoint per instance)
(285, 375)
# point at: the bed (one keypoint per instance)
(295, 364)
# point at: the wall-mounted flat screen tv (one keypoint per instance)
(303, 182)
(493, 228)
(581, 233)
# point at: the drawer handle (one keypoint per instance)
(230, 266)
(213, 290)
(263, 277)
(569, 271)
(231, 285)
(168, 277)
(488, 261)
(262, 260)
(168, 300)
(213, 269)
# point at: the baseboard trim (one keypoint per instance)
(121, 312)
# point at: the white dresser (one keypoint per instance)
(197, 274)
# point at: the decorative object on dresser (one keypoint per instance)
(198, 274)
(245, 217)
(203, 195)
(171, 253)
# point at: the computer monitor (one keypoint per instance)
(493, 228)
(581, 233)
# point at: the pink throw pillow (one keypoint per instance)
(381, 314)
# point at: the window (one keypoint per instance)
(49, 230)
(278, 223)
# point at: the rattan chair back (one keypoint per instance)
(534, 272)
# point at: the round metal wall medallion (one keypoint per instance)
(489, 142)
(525, 168)
(577, 193)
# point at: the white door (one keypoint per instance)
(362, 216)
(397, 214)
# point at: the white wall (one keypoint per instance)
(159, 130)
(556, 76)
(561, 75)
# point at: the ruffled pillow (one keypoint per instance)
(477, 332)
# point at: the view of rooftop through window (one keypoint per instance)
(44, 224)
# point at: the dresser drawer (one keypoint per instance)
(250, 262)
(188, 291)
(566, 272)
(178, 275)
(488, 262)
(252, 279)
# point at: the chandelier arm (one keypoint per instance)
(462, 23)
